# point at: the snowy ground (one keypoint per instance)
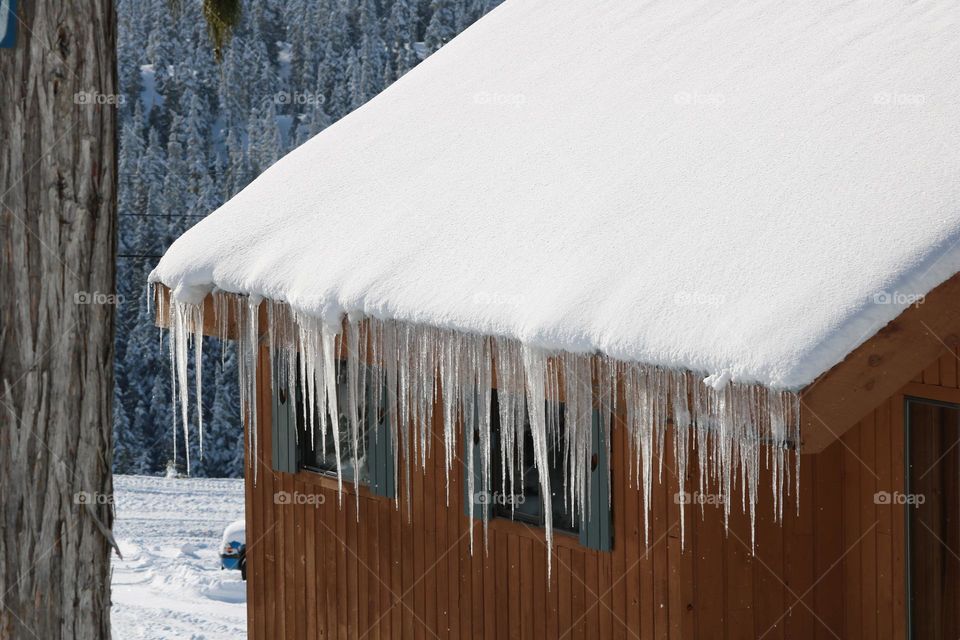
(169, 583)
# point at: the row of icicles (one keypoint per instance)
(736, 429)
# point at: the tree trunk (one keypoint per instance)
(58, 232)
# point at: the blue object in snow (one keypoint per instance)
(8, 23)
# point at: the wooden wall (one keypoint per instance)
(836, 570)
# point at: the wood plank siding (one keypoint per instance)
(835, 570)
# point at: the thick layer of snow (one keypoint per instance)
(730, 189)
(236, 531)
(169, 583)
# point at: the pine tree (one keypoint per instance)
(153, 172)
(176, 182)
(407, 59)
(125, 444)
(128, 168)
(258, 74)
(154, 421)
(208, 198)
(223, 455)
(150, 169)
(239, 173)
(400, 34)
(443, 24)
(355, 80)
(332, 70)
(265, 140)
(314, 120)
(373, 55)
(161, 54)
(233, 97)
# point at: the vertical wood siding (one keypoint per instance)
(835, 570)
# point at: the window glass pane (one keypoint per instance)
(525, 498)
(563, 519)
(523, 501)
(317, 455)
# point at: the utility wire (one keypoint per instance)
(160, 215)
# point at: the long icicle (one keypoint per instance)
(535, 365)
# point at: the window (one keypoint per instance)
(295, 447)
(524, 503)
(318, 451)
(932, 504)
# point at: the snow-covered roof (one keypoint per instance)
(751, 188)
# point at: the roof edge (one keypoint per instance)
(880, 367)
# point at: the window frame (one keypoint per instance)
(291, 443)
(595, 530)
(502, 510)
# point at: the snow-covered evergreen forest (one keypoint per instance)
(195, 130)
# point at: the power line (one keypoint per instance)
(161, 215)
(142, 256)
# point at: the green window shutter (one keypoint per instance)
(596, 530)
(380, 447)
(284, 432)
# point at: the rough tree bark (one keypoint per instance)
(57, 249)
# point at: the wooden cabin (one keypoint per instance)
(872, 551)
(753, 206)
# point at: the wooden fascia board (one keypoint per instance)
(880, 367)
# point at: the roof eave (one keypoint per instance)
(838, 399)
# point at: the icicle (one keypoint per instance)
(172, 347)
(513, 411)
(469, 402)
(607, 375)
(221, 313)
(328, 339)
(391, 358)
(353, 389)
(308, 341)
(198, 368)
(641, 421)
(180, 344)
(252, 351)
(679, 403)
(448, 373)
(483, 381)
(426, 369)
(535, 364)
(578, 421)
